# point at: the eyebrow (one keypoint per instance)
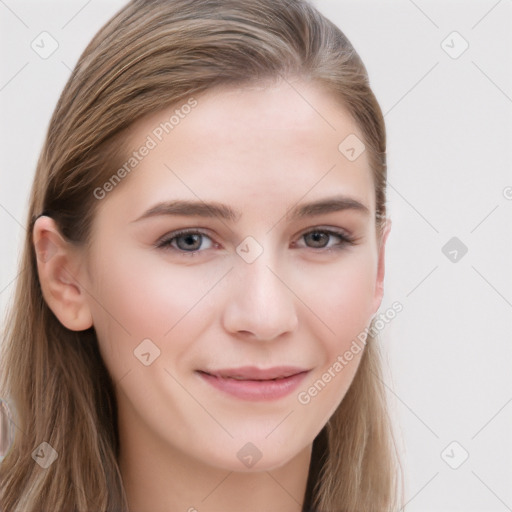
(214, 209)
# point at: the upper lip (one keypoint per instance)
(255, 373)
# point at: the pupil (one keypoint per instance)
(191, 242)
(318, 238)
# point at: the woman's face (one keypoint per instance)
(240, 248)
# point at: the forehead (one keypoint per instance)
(237, 144)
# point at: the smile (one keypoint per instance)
(250, 383)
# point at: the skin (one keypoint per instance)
(261, 151)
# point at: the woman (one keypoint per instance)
(204, 261)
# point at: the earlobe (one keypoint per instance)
(381, 265)
(58, 264)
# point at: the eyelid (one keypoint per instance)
(346, 239)
(327, 229)
(164, 241)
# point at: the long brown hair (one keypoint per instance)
(150, 55)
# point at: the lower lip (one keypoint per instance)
(255, 389)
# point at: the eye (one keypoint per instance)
(186, 241)
(327, 239)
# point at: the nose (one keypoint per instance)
(260, 304)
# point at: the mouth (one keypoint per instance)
(251, 383)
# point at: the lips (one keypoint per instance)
(254, 373)
(251, 383)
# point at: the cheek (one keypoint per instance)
(136, 300)
(342, 296)
(344, 304)
(352, 300)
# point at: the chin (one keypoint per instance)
(248, 457)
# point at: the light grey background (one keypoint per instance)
(449, 124)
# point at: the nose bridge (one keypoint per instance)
(259, 302)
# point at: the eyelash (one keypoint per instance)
(165, 242)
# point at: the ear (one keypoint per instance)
(58, 267)
(381, 266)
